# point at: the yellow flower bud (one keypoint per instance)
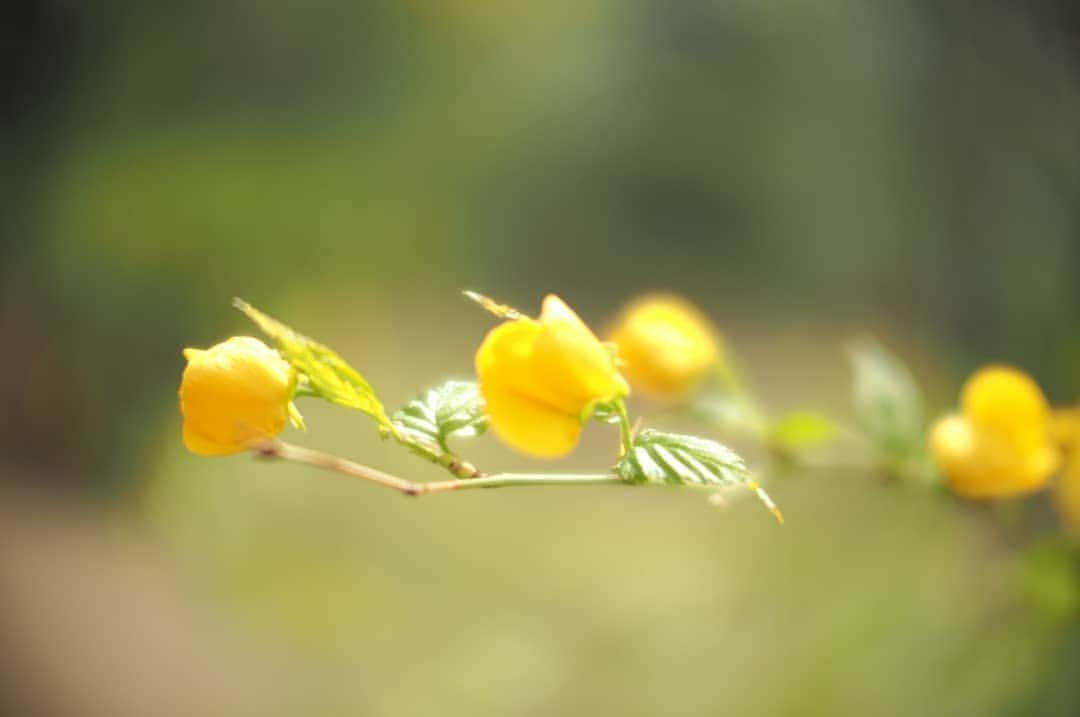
(666, 345)
(1000, 445)
(232, 395)
(539, 376)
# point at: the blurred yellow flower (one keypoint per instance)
(666, 345)
(1067, 493)
(539, 377)
(1000, 444)
(1065, 428)
(233, 394)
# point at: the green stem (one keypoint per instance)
(280, 450)
(726, 376)
(626, 436)
(297, 454)
(457, 466)
(508, 480)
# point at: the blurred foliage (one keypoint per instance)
(601, 601)
(798, 168)
(800, 430)
(889, 409)
(882, 163)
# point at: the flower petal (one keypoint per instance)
(507, 348)
(572, 361)
(1067, 495)
(530, 427)
(980, 465)
(232, 394)
(507, 359)
(196, 443)
(666, 344)
(1009, 403)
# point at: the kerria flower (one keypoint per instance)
(1000, 444)
(666, 345)
(1065, 428)
(541, 377)
(233, 395)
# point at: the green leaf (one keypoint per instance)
(676, 459)
(888, 406)
(661, 458)
(800, 430)
(328, 376)
(454, 409)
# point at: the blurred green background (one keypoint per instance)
(807, 172)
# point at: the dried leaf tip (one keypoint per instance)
(764, 498)
(491, 306)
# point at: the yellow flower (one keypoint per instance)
(666, 345)
(538, 378)
(1000, 445)
(232, 395)
(1065, 428)
(1067, 493)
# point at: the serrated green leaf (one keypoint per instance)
(454, 409)
(328, 375)
(800, 430)
(888, 405)
(674, 459)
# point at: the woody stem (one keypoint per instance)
(297, 454)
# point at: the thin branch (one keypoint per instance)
(506, 480)
(279, 450)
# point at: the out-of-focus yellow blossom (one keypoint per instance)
(1067, 493)
(666, 345)
(538, 377)
(1000, 444)
(234, 394)
(1065, 428)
